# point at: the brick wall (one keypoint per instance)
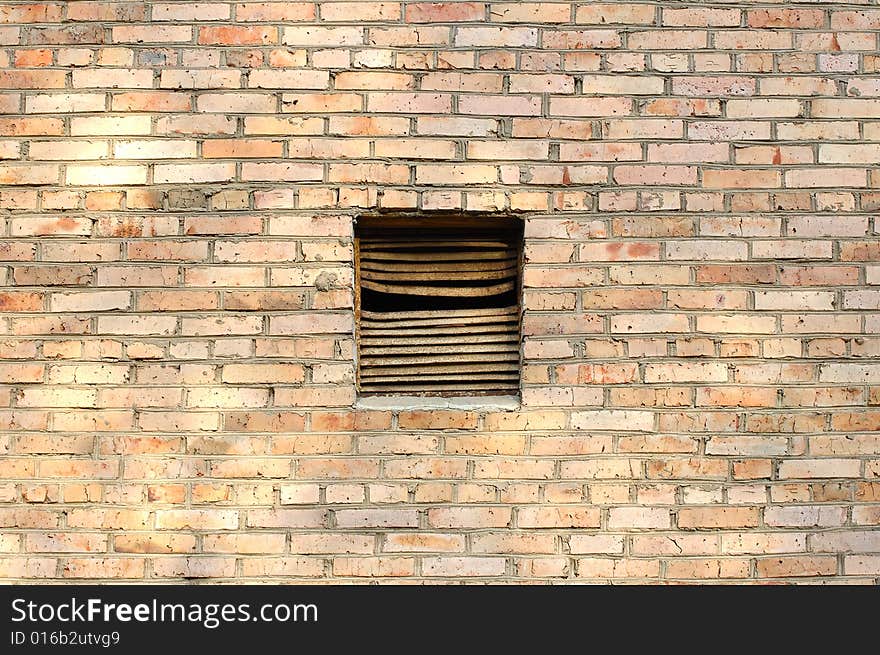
(701, 377)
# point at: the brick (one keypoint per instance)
(686, 372)
(813, 178)
(717, 517)
(463, 566)
(190, 173)
(500, 105)
(111, 567)
(158, 101)
(862, 564)
(819, 468)
(289, 79)
(154, 150)
(251, 373)
(804, 516)
(602, 14)
(638, 518)
(600, 568)
(193, 567)
(794, 300)
(791, 249)
(267, 12)
(444, 12)
(529, 517)
(89, 302)
(793, 566)
(259, 103)
(25, 79)
(238, 35)
(847, 541)
(613, 420)
(207, 124)
(16, 301)
(749, 179)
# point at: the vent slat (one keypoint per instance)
(446, 389)
(458, 255)
(438, 276)
(411, 244)
(489, 311)
(429, 333)
(440, 359)
(424, 266)
(504, 337)
(392, 350)
(439, 321)
(426, 321)
(475, 376)
(449, 292)
(439, 368)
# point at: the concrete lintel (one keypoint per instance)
(489, 403)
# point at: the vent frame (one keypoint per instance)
(447, 227)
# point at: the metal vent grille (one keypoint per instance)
(438, 305)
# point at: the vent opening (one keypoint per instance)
(438, 309)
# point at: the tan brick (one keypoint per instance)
(795, 566)
(717, 517)
(638, 518)
(463, 566)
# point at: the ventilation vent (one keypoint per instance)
(438, 305)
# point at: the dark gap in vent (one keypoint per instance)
(438, 304)
(390, 302)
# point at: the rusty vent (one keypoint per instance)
(438, 305)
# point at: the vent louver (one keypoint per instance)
(438, 305)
